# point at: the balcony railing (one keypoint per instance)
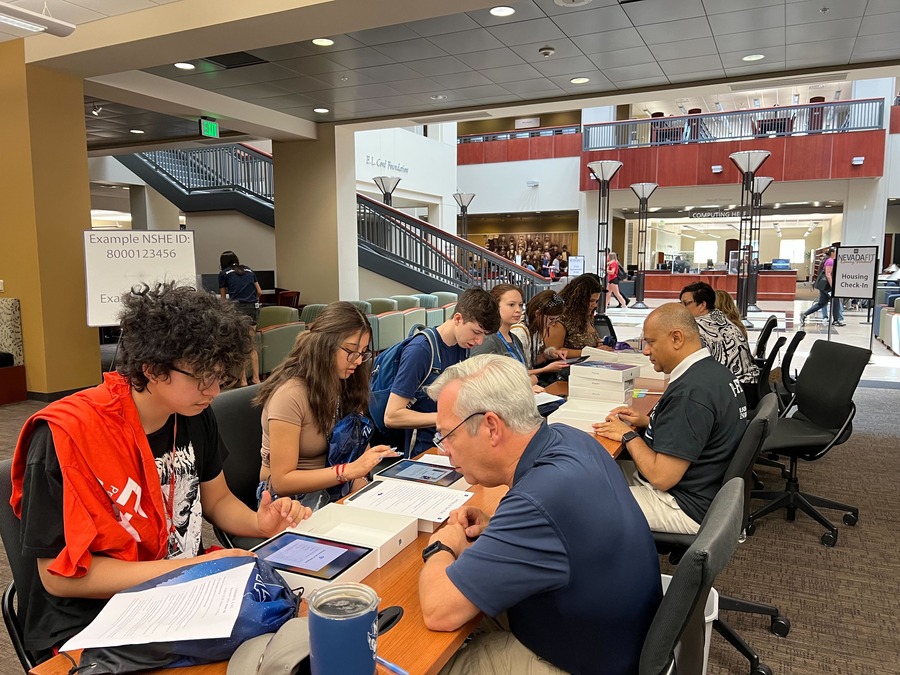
(520, 133)
(795, 120)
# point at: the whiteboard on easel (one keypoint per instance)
(114, 262)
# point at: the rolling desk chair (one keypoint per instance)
(759, 352)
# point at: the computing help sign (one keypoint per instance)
(856, 271)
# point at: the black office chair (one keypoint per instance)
(755, 393)
(759, 354)
(741, 466)
(679, 618)
(240, 432)
(604, 327)
(786, 387)
(16, 594)
(822, 419)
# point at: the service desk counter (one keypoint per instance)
(772, 285)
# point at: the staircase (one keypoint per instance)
(391, 243)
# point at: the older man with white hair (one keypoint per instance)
(566, 566)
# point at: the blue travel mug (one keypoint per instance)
(343, 629)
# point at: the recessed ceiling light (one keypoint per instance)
(136, 131)
(580, 80)
(323, 42)
(321, 111)
(438, 97)
(754, 57)
(502, 11)
(185, 66)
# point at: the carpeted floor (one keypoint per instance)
(843, 602)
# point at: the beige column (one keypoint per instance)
(315, 216)
(46, 201)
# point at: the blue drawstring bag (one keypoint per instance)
(266, 604)
(346, 442)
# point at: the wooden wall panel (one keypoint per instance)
(518, 149)
(469, 153)
(808, 157)
(846, 146)
(587, 184)
(676, 165)
(717, 153)
(567, 145)
(895, 119)
(638, 166)
(495, 151)
(541, 147)
(774, 165)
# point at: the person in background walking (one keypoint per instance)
(239, 283)
(612, 279)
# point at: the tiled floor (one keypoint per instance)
(884, 367)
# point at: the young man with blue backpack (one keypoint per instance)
(401, 373)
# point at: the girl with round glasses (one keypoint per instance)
(324, 378)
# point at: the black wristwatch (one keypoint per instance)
(629, 436)
(433, 548)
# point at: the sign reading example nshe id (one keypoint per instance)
(855, 271)
(114, 262)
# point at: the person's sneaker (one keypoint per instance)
(839, 324)
(802, 320)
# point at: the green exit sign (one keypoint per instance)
(209, 128)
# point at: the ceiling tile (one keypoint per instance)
(751, 41)
(312, 65)
(810, 11)
(389, 73)
(563, 49)
(466, 41)
(64, 11)
(286, 101)
(523, 32)
(352, 93)
(637, 72)
(642, 83)
(362, 57)
(825, 30)
(663, 11)
(841, 50)
(411, 50)
(301, 84)
(597, 78)
(533, 88)
(470, 79)
(399, 101)
(281, 52)
(511, 73)
(418, 86)
(453, 23)
(722, 6)
(358, 106)
(598, 20)
(439, 66)
(251, 92)
(880, 23)
(484, 91)
(881, 6)
(816, 62)
(735, 59)
(866, 56)
(344, 78)
(381, 36)
(608, 42)
(341, 42)
(695, 64)
(876, 43)
(556, 66)
(622, 57)
(265, 72)
(673, 31)
(755, 69)
(684, 49)
(738, 22)
(552, 9)
(114, 7)
(697, 77)
(490, 58)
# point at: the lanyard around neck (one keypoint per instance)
(511, 348)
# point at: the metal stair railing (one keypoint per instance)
(236, 168)
(438, 254)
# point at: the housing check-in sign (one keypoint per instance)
(855, 271)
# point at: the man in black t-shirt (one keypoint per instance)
(685, 445)
(112, 483)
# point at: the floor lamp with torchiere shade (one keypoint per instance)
(603, 170)
(643, 192)
(387, 185)
(747, 162)
(464, 199)
(760, 184)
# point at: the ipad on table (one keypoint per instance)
(421, 472)
(310, 556)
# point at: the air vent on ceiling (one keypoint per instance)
(788, 82)
(458, 117)
(235, 60)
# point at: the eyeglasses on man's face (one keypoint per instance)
(440, 438)
(353, 355)
(205, 382)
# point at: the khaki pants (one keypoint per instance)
(495, 651)
(659, 508)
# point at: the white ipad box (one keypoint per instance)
(386, 533)
(600, 395)
(601, 371)
(582, 414)
(631, 358)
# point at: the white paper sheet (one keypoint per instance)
(543, 397)
(426, 502)
(440, 460)
(195, 610)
